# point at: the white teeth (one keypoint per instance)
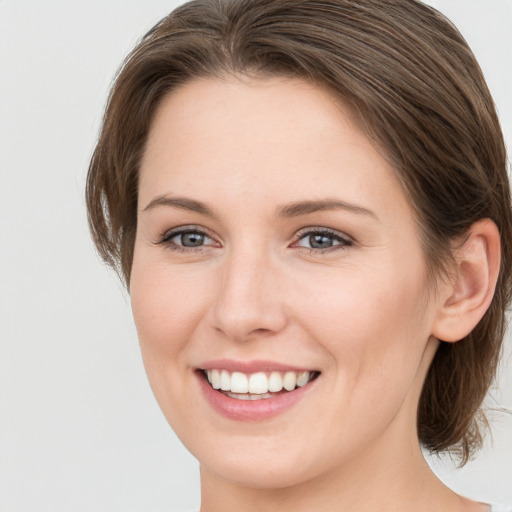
(247, 396)
(225, 381)
(239, 382)
(302, 379)
(215, 379)
(257, 385)
(242, 396)
(275, 382)
(290, 381)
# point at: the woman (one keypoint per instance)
(308, 201)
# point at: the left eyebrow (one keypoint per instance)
(306, 207)
(181, 203)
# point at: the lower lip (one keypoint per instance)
(251, 410)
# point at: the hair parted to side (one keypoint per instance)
(420, 96)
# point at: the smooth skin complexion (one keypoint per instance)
(272, 235)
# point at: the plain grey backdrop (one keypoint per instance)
(79, 428)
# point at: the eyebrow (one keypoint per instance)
(295, 209)
(307, 207)
(182, 203)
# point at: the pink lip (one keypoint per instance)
(250, 366)
(250, 410)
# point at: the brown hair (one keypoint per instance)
(419, 94)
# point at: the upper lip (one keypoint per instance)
(249, 367)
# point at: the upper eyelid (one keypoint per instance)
(323, 230)
(170, 233)
(201, 229)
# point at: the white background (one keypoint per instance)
(79, 428)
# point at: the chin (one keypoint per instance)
(260, 462)
(260, 474)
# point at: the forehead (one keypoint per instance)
(279, 138)
(237, 108)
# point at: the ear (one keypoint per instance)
(464, 300)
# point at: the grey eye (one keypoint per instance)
(190, 239)
(320, 241)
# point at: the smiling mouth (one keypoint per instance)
(257, 386)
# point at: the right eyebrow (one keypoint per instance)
(306, 207)
(182, 203)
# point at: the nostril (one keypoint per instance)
(260, 330)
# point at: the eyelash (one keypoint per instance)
(165, 239)
(344, 241)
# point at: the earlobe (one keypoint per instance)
(465, 299)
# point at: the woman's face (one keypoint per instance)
(274, 240)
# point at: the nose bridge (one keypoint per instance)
(247, 302)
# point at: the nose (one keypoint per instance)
(248, 301)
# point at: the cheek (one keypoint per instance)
(372, 322)
(374, 335)
(354, 301)
(167, 306)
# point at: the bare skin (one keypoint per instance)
(224, 160)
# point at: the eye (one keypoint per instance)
(322, 240)
(187, 238)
